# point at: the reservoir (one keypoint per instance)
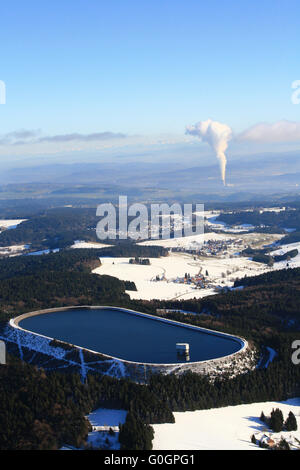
(128, 336)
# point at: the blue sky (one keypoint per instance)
(146, 68)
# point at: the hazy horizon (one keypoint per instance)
(124, 82)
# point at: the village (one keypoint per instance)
(211, 247)
(198, 252)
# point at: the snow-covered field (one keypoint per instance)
(10, 223)
(105, 418)
(43, 252)
(187, 242)
(294, 262)
(83, 244)
(221, 271)
(144, 276)
(273, 209)
(214, 224)
(194, 241)
(13, 250)
(222, 428)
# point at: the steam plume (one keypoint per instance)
(217, 135)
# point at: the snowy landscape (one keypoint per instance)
(173, 266)
(228, 428)
(105, 428)
(6, 224)
(162, 278)
(83, 244)
(293, 262)
(215, 255)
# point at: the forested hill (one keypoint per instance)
(69, 260)
(58, 289)
(131, 250)
(54, 228)
(64, 278)
(282, 219)
(59, 228)
(44, 411)
(271, 277)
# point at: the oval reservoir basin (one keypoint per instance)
(128, 336)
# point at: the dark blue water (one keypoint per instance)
(130, 337)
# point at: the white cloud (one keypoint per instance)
(280, 131)
(24, 136)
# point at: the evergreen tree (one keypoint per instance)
(135, 434)
(283, 445)
(291, 422)
(262, 417)
(276, 420)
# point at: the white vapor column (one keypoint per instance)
(217, 135)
